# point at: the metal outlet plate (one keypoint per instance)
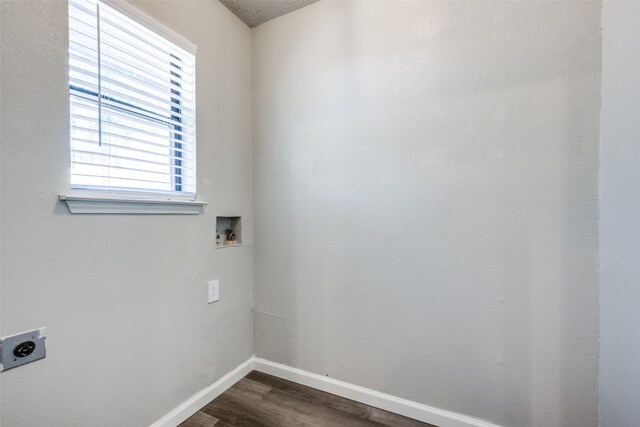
(27, 346)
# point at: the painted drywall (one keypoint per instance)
(124, 298)
(426, 184)
(620, 216)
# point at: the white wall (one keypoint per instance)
(425, 180)
(620, 216)
(123, 298)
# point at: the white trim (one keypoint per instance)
(200, 399)
(136, 14)
(408, 408)
(114, 205)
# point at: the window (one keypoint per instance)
(132, 103)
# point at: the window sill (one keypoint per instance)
(112, 205)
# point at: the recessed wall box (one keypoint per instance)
(228, 231)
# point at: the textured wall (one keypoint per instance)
(620, 216)
(129, 332)
(425, 198)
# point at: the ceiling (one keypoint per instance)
(255, 12)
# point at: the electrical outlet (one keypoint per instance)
(22, 348)
(214, 290)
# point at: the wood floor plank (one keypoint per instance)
(294, 391)
(390, 419)
(261, 400)
(252, 388)
(228, 410)
(238, 409)
(200, 419)
(323, 398)
(324, 414)
(356, 409)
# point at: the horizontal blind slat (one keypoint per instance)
(118, 88)
(111, 135)
(113, 189)
(150, 36)
(131, 62)
(118, 35)
(147, 120)
(115, 148)
(129, 57)
(90, 101)
(111, 155)
(160, 60)
(140, 127)
(167, 124)
(113, 178)
(146, 80)
(106, 177)
(113, 171)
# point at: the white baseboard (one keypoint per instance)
(200, 399)
(408, 408)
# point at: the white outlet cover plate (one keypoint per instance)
(214, 290)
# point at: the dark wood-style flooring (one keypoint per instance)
(263, 400)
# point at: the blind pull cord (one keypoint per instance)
(99, 80)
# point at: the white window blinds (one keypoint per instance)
(132, 98)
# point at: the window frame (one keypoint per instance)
(105, 200)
